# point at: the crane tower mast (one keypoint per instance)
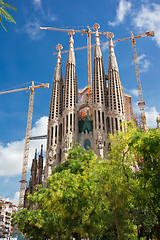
(26, 147)
(27, 138)
(141, 103)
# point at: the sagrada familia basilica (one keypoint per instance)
(73, 117)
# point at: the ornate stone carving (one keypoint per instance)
(66, 144)
(100, 140)
(51, 156)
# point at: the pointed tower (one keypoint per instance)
(116, 109)
(40, 167)
(70, 99)
(54, 135)
(99, 97)
(34, 171)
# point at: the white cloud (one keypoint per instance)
(105, 47)
(143, 63)
(133, 92)
(51, 17)
(37, 1)
(122, 10)
(15, 199)
(151, 115)
(148, 19)
(37, 4)
(11, 155)
(32, 29)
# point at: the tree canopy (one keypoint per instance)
(114, 198)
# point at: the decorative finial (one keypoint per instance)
(96, 27)
(59, 47)
(71, 42)
(110, 36)
(71, 32)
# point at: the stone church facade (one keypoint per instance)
(75, 118)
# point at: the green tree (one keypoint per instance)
(120, 183)
(4, 13)
(147, 148)
(90, 198)
(133, 146)
(70, 205)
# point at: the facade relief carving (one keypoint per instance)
(100, 140)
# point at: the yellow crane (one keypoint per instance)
(141, 103)
(88, 32)
(27, 137)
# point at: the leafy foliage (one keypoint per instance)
(5, 14)
(94, 199)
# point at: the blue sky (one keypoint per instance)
(27, 55)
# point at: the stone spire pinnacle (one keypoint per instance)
(34, 169)
(35, 156)
(56, 98)
(40, 167)
(70, 83)
(71, 54)
(116, 107)
(112, 64)
(59, 56)
(42, 150)
(97, 48)
(98, 82)
(58, 69)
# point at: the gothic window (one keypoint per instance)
(112, 125)
(60, 155)
(66, 123)
(108, 125)
(63, 126)
(120, 123)
(60, 132)
(74, 121)
(56, 131)
(51, 136)
(71, 122)
(116, 124)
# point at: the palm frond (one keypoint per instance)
(5, 4)
(6, 15)
(2, 24)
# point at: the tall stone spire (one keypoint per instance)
(34, 170)
(70, 99)
(70, 83)
(55, 109)
(40, 167)
(98, 82)
(54, 136)
(116, 109)
(99, 97)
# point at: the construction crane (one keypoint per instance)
(27, 137)
(141, 103)
(88, 32)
